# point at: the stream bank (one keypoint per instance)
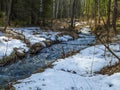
(25, 67)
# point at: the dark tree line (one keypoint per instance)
(38, 12)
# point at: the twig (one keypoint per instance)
(108, 48)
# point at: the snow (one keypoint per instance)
(65, 38)
(7, 46)
(88, 60)
(36, 35)
(76, 72)
(60, 80)
(116, 38)
(85, 30)
(80, 23)
(1, 34)
(33, 35)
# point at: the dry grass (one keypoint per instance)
(8, 60)
(35, 48)
(67, 32)
(110, 69)
(12, 58)
(48, 43)
(103, 34)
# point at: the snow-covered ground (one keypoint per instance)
(32, 34)
(1, 34)
(7, 45)
(27, 66)
(73, 73)
(76, 72)
(37, 35)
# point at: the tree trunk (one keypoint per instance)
(108, 19)
(108, 14)
(41, 11)
(73, 14)
(95, 13)
(53, 9)
(57, 7)
(114, 16)
(8, 16)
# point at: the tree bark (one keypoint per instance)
(73, 14)
(8, 16)
(108, 14)
(114, 16)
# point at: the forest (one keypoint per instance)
(59, 44)
(39, 12)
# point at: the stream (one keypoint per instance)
(25, 67)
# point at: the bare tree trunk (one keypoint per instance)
(41, 11)
(72, 14)
(57, 7)
(99, 11)
(108, 14)
(53, 8)
(95, 12)
(108, 19)
(114, 16)
(8, 16)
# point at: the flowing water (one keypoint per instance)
(25, 67)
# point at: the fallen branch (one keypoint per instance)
(108, 48)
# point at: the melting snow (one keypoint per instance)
(76, 73)
(8, 44)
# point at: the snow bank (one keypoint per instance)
(35, 35)
(7, 46)
(60, 80)
(85, 30)
(76, 73)
(87, 61)
(37, 38)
